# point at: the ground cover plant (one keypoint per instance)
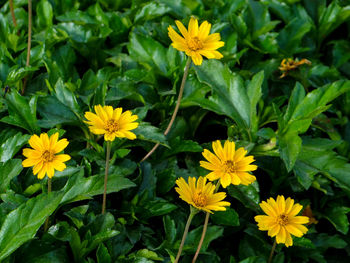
(174, 131)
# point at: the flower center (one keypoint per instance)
(112, 126)
(194, 43)
(282, 219)
(230, 166)
(47, 156)
(200, 199)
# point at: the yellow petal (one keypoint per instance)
(225, 180)
(60, 146)
(281, 236)
(35, 142)
(218, 150)
(196, 58)
(289, 204)
(281, 203)
(204, 30)
(117, 113)
(53, 140)
(293, 230)
(193, 27)
(295, 210)
(182, 29)
(268, 209)
(289, 240)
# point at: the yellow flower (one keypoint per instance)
(112, 122)
(196, 42)
(44, 155)
(229, 165)
(201, 195)
(290, 64)
(282, 219)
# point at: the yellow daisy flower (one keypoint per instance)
(43, 157)
(196, 42)
(282, 219)
(111, 122)
(290, 64)
(201, 195)
(229, 165)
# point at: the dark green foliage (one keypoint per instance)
(117, 52)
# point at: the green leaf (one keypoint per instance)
(147, 132)
(338, 217)
(17, 74)
(67, 97)
(44, 14)
(325, 241)
(331, 18)
(213, 232)
(322, 159)
(150, 11)
(229, 94)
(22, 223)
(289, 147)
(248, 195)
(21, 112)
(148, 52)
(254, 93)
(79, 188)
(9, 170)
(170, 229)
(159, 207)
(102, 254)
(254, 259)
(226, 218)
(12, 145)
(54, 112)
(290, 37)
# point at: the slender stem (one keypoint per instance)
(46, 226)
(272, 251)
(29, 44)
(106, 177)
(12, 9)
(188, 223)
(183, 82)
(205, 226)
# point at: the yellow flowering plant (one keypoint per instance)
(44, 157)
(281, 220)
(111, 123)
(201, 196)
(229, 165)
(196, 41)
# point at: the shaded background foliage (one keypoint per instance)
(117, 53)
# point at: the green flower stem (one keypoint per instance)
(108, 154)
(29, 41)
(188, 223)
(272, 251)
(12, 9)
(46, 226)
(183, 82)
(205, 226)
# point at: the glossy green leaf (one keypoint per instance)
(226, 218)
(22, 223)
(22, 113)
(338, 217)
(230, 97)
(247, 195)
(12, 145)
(8, 171)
